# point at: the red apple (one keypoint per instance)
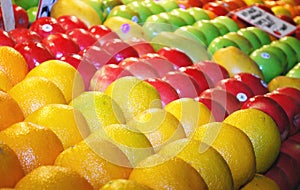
(213, 70)
(291, 169)
(6, 39)
(273, 109)
(97, 56)
(177, 57)
(278, 175)
(45, 26)
(185, 86)
(215, 107)
(216, 7)
(73, 59)
(69, 22)
(291, 148)
(226, 99)
(200, 77)
(82, 37)
(231, 5)
(291, 92)
(139, 68)
(34, 53)
(256, 84)
(21, 17)
(161, 64)
(295, 137)
(239, 89)
(106, 75)
(101, 30)
(166, 91)
(291, 108)
(141, 46)
(119, 49)
(20, 35)
(60, 44)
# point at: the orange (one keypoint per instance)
(10, 169)
(67, 123)
(233, 144)
(10, 112)
(174, 173)
(96, 159)
(216, 175)
(124, 184)
(53, 178)
(211, 14)
(34, 145)
(261, 182)
(12, 64)
(5, 83)
(263, 133)
(61, 73)
(34, 92)
(159, 126)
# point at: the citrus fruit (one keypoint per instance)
(98, 160)
(216, 175)
(34, 145)
(35, 92)
(10, 169)
(53, 178)
(131, 141)
(67, 123)
(263, 133)
(261, 182)
(190, 113)
(159, 126)
(124, 184)
(10, 111)
(5, 83)
(98, 109)
(133, 95)
(61, 73)
(159, 173)
(233, 144)
(12, 64)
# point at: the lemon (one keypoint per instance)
(233, 144)
(98, 109)
(159, 126)
(68, 124)
(216, 175)
(124, 184)
(263, 133)
(5, 83)
(133, 95)
(261, 182)
(61, 73)
(190, 113)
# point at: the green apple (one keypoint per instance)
(169, 5)
(222, 27)
(253, 39)
(174, 20)
(184, 14)
(295, 71)
(228, 22)
(268, 63)
(209, 30)
(143, 11)
(192, 32)
(198, 13)
(154, 7)
(32, 12)
(219, 43)
(155, 25)
(26, 4)
(125, 12)
(263, 36)
(241, 41)
(288, 50)
(294, 43)
(279, 53)
(126, 2)
(108, 5)
(97, 6)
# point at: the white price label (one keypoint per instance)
(266, 21)
(7, 14)
(45, 8)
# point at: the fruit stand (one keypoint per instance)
(164, 94)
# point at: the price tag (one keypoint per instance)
(45, 8)
(8, 14)
(266, 21)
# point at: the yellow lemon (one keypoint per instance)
(261, 182)
(124, 184)
(5, 83)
